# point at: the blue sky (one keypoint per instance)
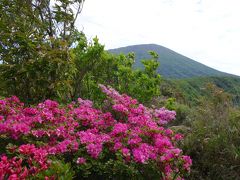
(207, 31)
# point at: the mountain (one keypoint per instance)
(172, 64)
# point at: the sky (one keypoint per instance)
(207, 31)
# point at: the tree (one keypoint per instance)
(35, 39)
(96, 66)
(44, 56)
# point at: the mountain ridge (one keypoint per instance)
(173, 65)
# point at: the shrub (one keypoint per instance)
(125, 139)
(214, 139)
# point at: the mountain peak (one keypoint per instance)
(172, 64)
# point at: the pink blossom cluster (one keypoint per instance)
(131, 129)
(14, 168)
(164, 115)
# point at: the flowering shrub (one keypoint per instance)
(124, 138)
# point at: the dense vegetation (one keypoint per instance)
(43, 56)
(213, 135)
(207, 105)
(126, 141)
(190, 90)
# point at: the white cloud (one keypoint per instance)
(206, 30)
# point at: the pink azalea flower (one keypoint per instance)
(81, 160)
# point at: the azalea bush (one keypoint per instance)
(123, 139)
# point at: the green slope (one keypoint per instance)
(192, 89)
(172, 64)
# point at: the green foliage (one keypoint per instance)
(57, 169)
(96, 66)
(214, 139)
(209, 118)
(193, 89)
(170, 104)
(45, 57)
(183, 112)
(117, 169)
(49, 77)
(34, 48)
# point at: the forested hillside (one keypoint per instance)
(191, 89)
